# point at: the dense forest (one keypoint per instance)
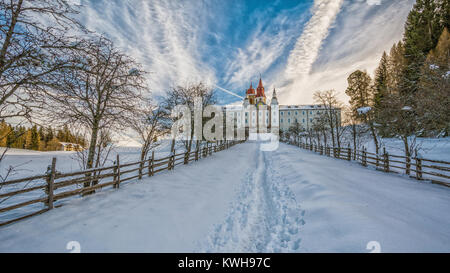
(410, 93)
(37, 139)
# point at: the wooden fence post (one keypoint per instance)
(386, 160)
(186, 157)
(118, 172)
(364, 157)
(419, 174)
(150, 164)
(115, 175)
(196, 153)
(50, 183)
(141, 166)
(349, 153)
(172, 161)
(408, 165)
(377, 162)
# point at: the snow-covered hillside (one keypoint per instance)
(246, 200)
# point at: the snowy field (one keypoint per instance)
(31, 163)
(245, 200)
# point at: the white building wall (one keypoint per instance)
(281, 116)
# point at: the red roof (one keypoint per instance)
(251, 90)
(260, 89)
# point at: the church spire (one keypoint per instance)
(260, 89)
(274, 100)
(251, 90)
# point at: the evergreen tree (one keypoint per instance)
(67, 134)
(35, 139)
(41, 134)
(28, 140)
(396, 67)
(361, 93)
(20, 138)
(11, 137)
(60, 135)
(53, 144)
(422, 30)
(4, 132)
(48, 135)
(433, 97)
(381, 81)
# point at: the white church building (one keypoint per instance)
(256, 112)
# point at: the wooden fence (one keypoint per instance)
(55, 186)
(436, 171)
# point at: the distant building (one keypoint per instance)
(255, 112)
(70, 147)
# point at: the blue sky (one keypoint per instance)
(298, 46)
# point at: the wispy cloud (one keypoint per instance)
(353, 36)
(308, 45)
(298, 47)
(163, 35)
(267, 45)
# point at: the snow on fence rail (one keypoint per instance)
(436, 171)
(19, 200)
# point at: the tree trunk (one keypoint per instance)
(172, 147)
(91, 154)
(407, 155)
(144, 152)
(332, 133)
(92, 146)
(190, 145)
(337, 125)
(375, 139)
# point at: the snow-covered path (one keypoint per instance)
(245, 200)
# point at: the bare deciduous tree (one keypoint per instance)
(185, 95)
(151, 123)
(34, 43)
(331, 113)
(100, 93)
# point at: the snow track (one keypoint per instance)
(265, 217)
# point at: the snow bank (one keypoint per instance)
(364, 110)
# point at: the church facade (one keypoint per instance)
(256, 112)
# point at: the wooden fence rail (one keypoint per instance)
(436, 171)
(55, 186)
